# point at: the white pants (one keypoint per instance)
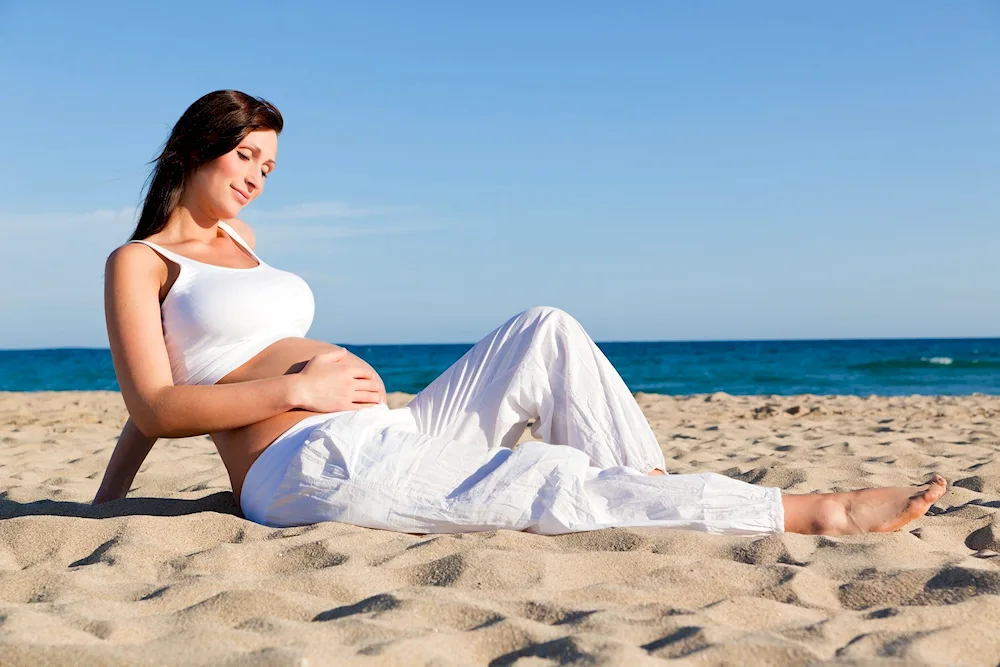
(444, 463)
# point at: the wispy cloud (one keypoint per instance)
(318, 211)
(313, 220)
(102, 216)
(345, 232)
(324, 210)
(318, 221)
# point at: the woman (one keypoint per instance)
(207, 338)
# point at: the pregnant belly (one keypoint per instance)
(240, 447)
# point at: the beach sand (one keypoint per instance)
(173, 575)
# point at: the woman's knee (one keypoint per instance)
(545, 323)
(547, 314)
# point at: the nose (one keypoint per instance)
(253, 182)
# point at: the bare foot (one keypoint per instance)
(886, 510)
(655, 471)
(866, 511)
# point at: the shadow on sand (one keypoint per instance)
(221, 502)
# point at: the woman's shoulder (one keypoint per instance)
(244, 230)
(132, 258)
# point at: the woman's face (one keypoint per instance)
(222, 187)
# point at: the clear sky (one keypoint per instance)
(661, 170)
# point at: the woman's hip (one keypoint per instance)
(285, 454)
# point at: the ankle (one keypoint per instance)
(821, 514)
(832, 515)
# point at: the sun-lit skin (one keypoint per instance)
(220, 189)
(216, 191)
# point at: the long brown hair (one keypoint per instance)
(211, 127)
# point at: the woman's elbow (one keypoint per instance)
(148, 423)
(161, 415)
(147, 415)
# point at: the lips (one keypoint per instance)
(241, 196)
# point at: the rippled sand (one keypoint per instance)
(173, 575)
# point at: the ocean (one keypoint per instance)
(858, 367)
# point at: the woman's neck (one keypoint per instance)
(187, 223)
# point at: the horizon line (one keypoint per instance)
(611, 342)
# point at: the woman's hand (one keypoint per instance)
(130, 451)
(354, 359)
(106, 496)
(336, 381)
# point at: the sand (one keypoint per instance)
(173, 575)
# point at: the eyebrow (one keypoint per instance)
(257, 151)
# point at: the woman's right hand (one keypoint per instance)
(335, 381)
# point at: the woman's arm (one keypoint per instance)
(133, 277)
(130, 452)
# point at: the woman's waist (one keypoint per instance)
(279, 357)
(240, 448)
(350, 424)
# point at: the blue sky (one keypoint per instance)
(663, 171)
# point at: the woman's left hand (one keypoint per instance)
(351, 358)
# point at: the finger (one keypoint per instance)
(367, 397)
(367, 385)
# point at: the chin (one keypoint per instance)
(229, 212)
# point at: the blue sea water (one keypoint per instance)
(859, 367)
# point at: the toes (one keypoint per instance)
(936, 489)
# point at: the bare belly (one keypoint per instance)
(240, 447)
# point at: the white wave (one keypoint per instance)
(944, 361)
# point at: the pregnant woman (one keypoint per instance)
(208, 338)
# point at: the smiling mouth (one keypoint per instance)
(244, 198)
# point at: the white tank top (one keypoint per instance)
(217, 318)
